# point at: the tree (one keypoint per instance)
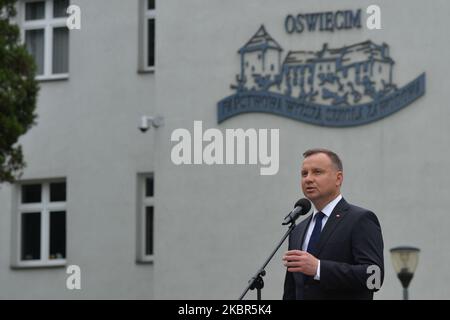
(18, 93)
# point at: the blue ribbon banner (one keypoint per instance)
(317, 114)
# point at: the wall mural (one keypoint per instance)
(336, 87)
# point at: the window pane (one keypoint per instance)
(34, 40)
(151, 4)
(149, 230)
(31, 236)
(31, 193)
(57, 235)
(35, 10)
(151, 43)
(60, 7)
(60, 50)
(149, 187)
(57, 191)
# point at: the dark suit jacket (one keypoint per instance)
(349, 243)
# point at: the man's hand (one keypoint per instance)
(300, 261)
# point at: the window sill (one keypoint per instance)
(145, 260)
(146, 70)
(39, 264)
(55, 77)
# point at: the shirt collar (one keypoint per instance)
(328, 209)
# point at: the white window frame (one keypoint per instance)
(143, 203)
(44, 208)
(145, 15)
(48, 24)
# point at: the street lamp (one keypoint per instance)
(405, 261)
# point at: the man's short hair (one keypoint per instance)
(333, 156)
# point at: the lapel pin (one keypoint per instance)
(338, 216)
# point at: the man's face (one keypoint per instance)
(321, 180)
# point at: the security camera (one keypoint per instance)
(144, 126)
(147, 121)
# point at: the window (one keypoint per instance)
(40, 224)
(147, 35)
(149, 230)
(145, 221)
(46, 36)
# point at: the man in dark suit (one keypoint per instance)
(337, 252)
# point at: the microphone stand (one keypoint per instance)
(257, 282)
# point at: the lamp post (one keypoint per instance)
(405, 261)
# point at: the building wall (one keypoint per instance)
(220, 222)
(87, 132)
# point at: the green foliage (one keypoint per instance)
(18, 93)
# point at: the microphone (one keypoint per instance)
(301, 208)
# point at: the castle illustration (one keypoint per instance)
(345, 76)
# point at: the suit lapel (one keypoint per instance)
(333, 220)
(302, 232)
(300, 237)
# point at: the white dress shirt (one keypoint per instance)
(327, 210)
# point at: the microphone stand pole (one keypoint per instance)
(257, 282)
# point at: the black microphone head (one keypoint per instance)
(305, 204)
